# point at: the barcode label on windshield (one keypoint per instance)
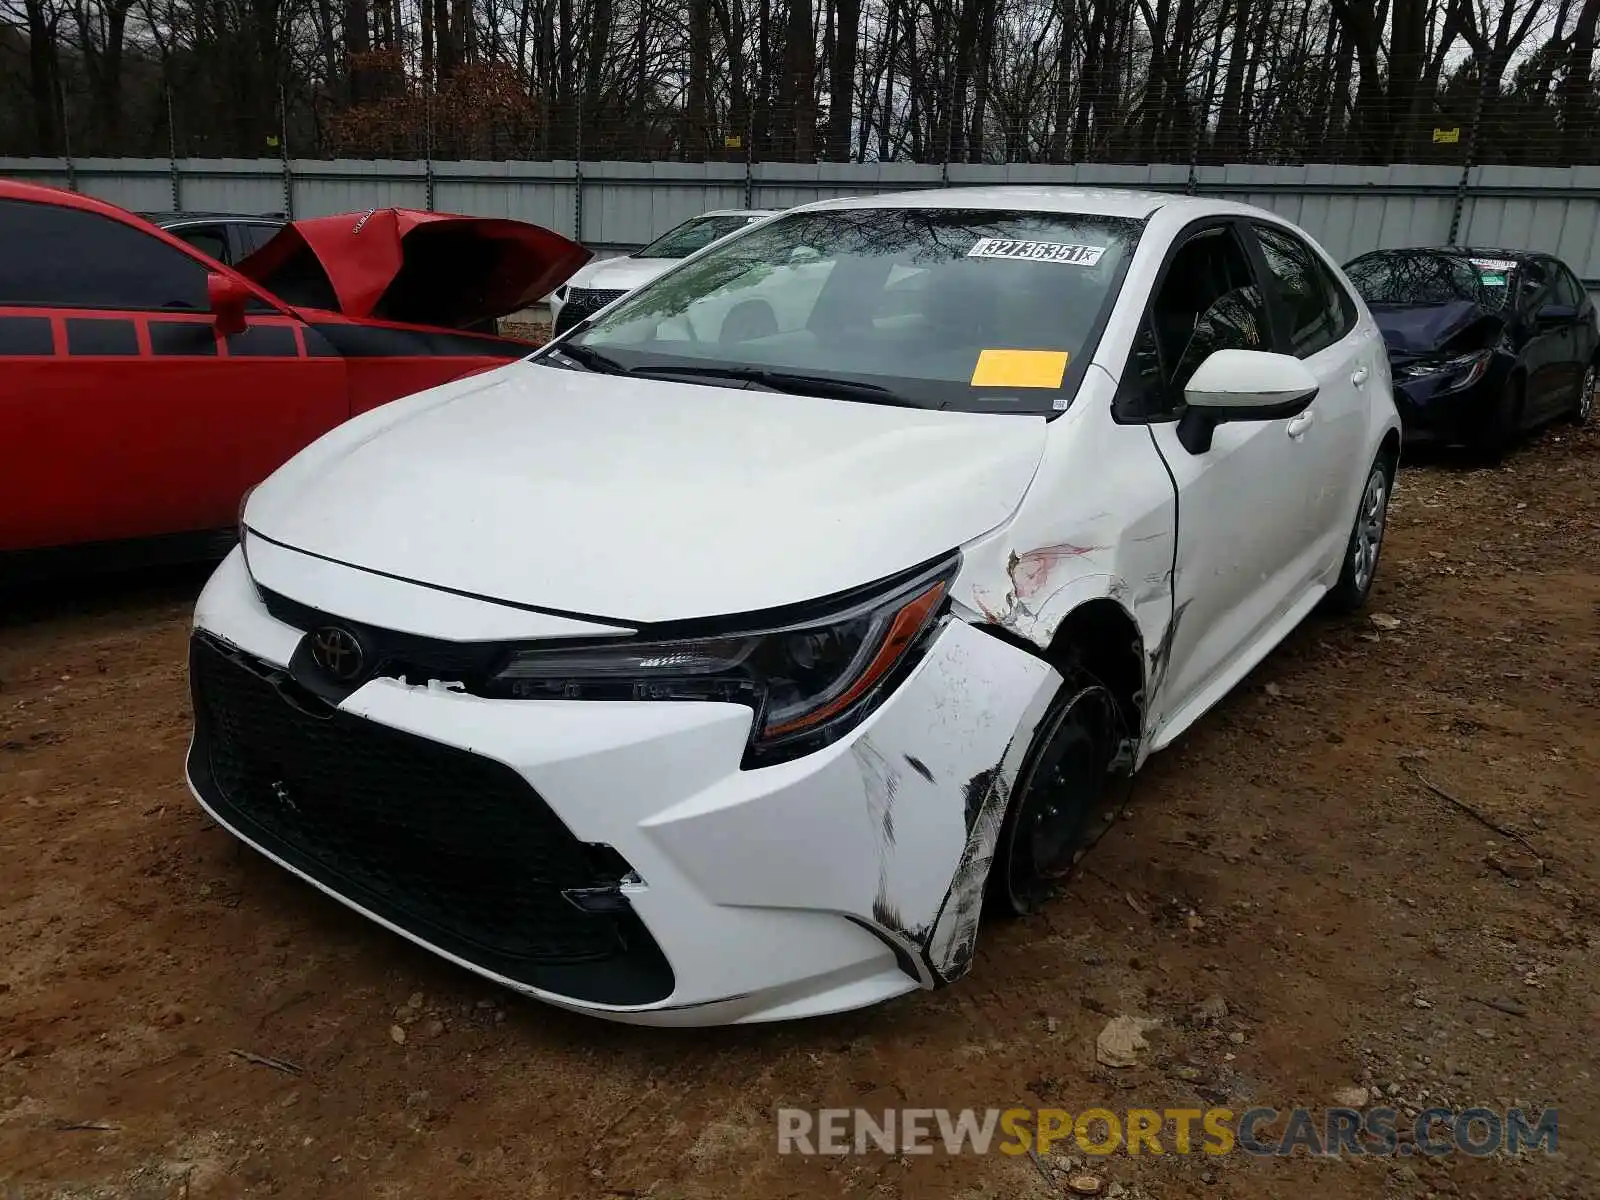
(1498, 265)
(1054, 252)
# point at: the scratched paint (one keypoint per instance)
(882, 785)
(1030, 573)
(955, 933)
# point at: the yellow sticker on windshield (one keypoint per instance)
(1020, 368)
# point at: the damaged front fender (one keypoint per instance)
(895, 826)
(936, 776)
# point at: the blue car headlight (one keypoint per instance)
(1450, 374)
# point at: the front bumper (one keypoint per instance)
(822, 884)
(1427, 417)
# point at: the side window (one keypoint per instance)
(256, 236)
(1568, 290)
(1142, 394)
(210, 240)
(1207, 301)
(1339, 301)
(1533, 281)
(1309, 311)
(69, 257)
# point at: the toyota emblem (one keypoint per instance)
(338, 652)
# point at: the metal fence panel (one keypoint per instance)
(230, 185)
(617, 206)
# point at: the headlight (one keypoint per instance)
(239, 528)
(1453, 374)
(809, 681)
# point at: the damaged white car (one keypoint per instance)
(720, 661)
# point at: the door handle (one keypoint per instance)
(1359, 377)
(1298, 426)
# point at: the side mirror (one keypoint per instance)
(228, 297)
(1242, 385)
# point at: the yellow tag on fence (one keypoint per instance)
(1020, 368)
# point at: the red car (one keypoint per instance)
(144, 387)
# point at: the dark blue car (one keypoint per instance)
(1484, 344)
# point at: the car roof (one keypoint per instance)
(1048, 198)
(41, 193)
(1459, 252)
(175, 218)
(737, 212)
(1517, 256)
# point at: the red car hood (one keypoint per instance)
(426, 268)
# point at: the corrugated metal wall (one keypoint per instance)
(613, 206)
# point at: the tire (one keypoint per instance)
(1362, 551)
(1063, 784)
(1583, 402)
(1499, 433)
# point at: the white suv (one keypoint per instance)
(605, 279)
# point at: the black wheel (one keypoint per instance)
(1501, 427)
(1366, 540)
(1583, 402)
(1059, 793)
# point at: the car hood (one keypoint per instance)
(621, 274)
(644, 500)
(426, 268)
(1416, 330)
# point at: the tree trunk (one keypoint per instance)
(1230, 121)
(696, 125)
(595, 58)
(982, 52)
(425, 17)
(44, 79)
(1577, 87)
(801, 63)
(1060, 138)
(842, 77)
(892, 50)
(761, 115)
(357, 44)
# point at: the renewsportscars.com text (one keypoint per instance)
(1099, 1131)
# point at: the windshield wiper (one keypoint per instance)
(793, 382)
(591, 359)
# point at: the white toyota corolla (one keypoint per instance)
(724, 659)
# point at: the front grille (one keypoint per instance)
(448, 845)
(581, 302)
(407, 656)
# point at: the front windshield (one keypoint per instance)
(979, 310)
(1415, 280)
(692, 235)
(1494, 274)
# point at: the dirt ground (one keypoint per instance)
(1285, 856)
